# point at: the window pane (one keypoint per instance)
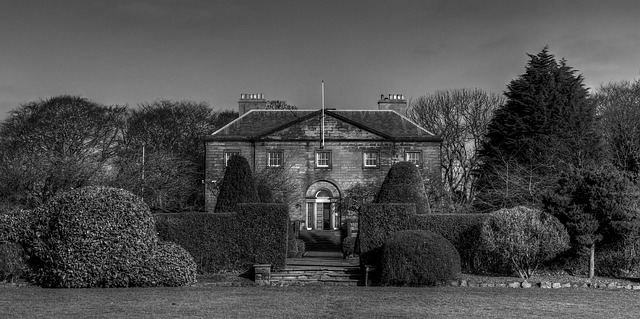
(275, 158)
(371, 159)
(413, 157)
(323, 159)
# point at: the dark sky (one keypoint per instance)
(128, 52)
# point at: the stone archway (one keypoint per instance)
(321, 213)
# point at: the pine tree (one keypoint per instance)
(238, 186)
(596, 205)
(546, 125)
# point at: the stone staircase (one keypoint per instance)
(322, 264)
(321, 240)
(322, 268)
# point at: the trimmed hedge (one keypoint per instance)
(263, 233)
(230, 241)
(210, 238)
(418, 258)
(379, 221)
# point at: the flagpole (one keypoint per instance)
(322, 129)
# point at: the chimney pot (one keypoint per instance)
(251, 101)
(393, 102)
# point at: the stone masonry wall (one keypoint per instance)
(346, 170)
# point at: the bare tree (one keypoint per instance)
(280, 105)
(54, 145)
(282, 180)
(618, 107)
(460, 117)
(162, 153)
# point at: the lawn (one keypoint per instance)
(316, 302)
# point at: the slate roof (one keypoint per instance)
(256, 124)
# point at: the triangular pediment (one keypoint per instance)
(310, 128)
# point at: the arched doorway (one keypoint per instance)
(321, 211)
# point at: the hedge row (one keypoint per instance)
(379, 221)
(230, 241)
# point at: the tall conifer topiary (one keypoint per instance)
(404, 184)
(238, 186)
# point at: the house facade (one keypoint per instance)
(323, 152)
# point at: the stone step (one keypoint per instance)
(296, 272)
(315, 275)
(328, 278)
(321, 240)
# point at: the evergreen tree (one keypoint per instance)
(546, 125)
(597, 206)
(238, 186)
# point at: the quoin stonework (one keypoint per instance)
(327, 151)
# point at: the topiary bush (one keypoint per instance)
(404, 184)
(524, 237)
(418, 258)
(265, 195)
(92, 237)
(169, 265)
(238, 186)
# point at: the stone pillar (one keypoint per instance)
(369, 273)
(262, 274)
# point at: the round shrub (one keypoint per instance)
(524, 237)
(404, 184)
(90, 237)
(169, 265)
(418, 258)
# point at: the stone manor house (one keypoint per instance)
(327, 151)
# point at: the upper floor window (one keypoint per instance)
(228, 154)
(371, 159)
(414, 157)
(275, 158)
(323, 159)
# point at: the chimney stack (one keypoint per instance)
(393, 102)
(250, 102)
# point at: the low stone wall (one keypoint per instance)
(543, 285)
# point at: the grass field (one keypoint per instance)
(317, 302)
